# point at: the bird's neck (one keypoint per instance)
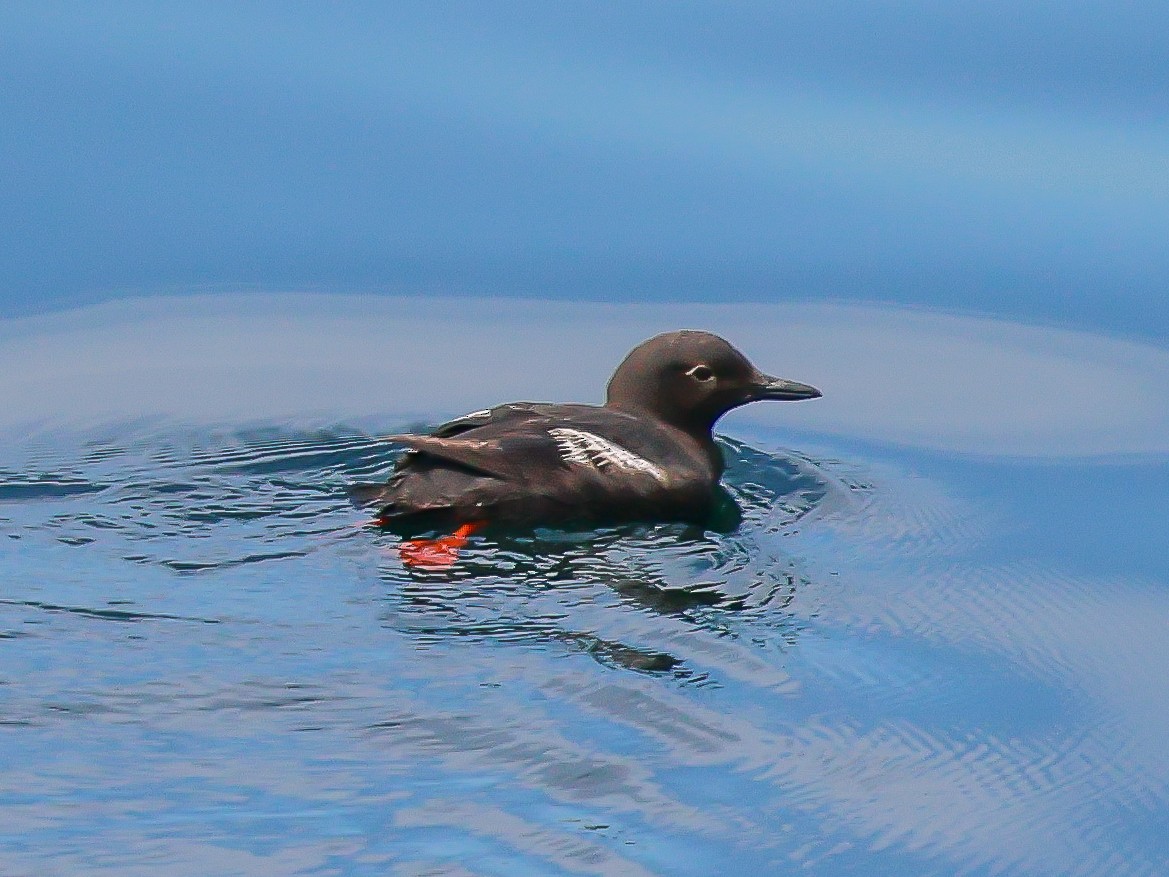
(699, 425)
(698, 430)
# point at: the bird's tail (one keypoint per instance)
(367, 494)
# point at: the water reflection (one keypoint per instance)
(883, 669)
(700, 586)
(912, 378)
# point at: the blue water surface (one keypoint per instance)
(907, 659)
(1000, 157)
(241, 242)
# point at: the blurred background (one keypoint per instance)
(997, 158)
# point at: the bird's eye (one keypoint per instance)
(701, 373)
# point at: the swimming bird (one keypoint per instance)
(647, 454)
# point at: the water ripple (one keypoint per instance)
(207, 650)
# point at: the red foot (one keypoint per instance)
(436, 553)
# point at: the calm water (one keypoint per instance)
(909, 659)
(936, 644)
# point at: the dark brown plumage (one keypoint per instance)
(647, 454)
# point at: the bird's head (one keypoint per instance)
(690, 379)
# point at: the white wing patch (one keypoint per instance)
(586, 449)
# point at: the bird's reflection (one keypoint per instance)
(650, 583)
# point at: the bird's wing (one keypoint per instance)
(504, 457)
(431, 444)
(500, 414)
(460, 455)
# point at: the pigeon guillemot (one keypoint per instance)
(647, 454)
